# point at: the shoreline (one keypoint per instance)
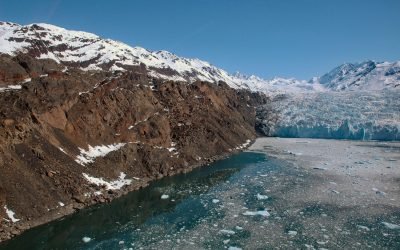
(15, 229)
(302, 192)
(335, 187)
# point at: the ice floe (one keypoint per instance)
(363, 227)
(234, 248)
(227, 232)
(164, 196)
(390, 225)
(86, 239)
(254, 213)
(261, 197)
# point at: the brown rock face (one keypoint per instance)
(165, 127)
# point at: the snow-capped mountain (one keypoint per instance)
(91, 52)
(368, 75)
(276, 85)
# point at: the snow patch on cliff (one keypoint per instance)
(11, 215)
(10, 87)
(109, 185)
(89, 156)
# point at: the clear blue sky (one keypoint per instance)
(297, 38)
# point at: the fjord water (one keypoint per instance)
(238, 202)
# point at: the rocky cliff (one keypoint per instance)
(71, 138)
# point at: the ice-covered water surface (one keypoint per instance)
(249, 201)
(358, 115)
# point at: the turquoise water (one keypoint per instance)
(240, 202)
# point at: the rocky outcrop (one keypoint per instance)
(71, 138)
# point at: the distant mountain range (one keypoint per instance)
(91, 52)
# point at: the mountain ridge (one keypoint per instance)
(91, 52)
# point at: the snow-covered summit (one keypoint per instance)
(91, 52)
(368, 75)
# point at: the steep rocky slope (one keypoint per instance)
(71, 138)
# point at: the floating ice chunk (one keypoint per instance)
(261, 197)
(228, 232)
(113, 185)
(121, 242)
(61, 204)
(86, 239)
(292, 233)
(215, 201)
(262, 213)
(164, 196)
(234, 248)
(238, 228)
(391, 226)
(226, 241)
(11, 215)
(363, 227)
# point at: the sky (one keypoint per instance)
(268, 38)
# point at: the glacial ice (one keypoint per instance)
(357, 115)
(86, 239)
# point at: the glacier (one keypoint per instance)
(355, 115)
